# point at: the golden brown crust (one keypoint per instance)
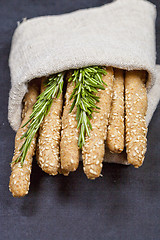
(31, 96)
(69, 151)
(115, 132)
(93, 150)
(135, 107)
(62, 171)
(49, 138)
(20, 176)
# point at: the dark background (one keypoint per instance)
(124, 204)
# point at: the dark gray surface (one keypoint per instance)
(124, 204)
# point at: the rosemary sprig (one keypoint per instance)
(87, 82)
(54, 86)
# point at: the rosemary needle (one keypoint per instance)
(41, 108)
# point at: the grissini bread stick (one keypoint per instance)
(20, 176)
(94, 147)
(115, 133)
(135, 107)
(31, 96)
(69, 150)
(49, 137)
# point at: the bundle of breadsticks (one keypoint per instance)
(119, 121)
(80, 86)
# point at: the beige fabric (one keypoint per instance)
(120, 34)
(153, 96)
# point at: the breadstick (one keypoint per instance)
(115, 134)
(93, 150)
(20, 176)
(135, 107)
(49, 137)
(69, 150)
(31, 96)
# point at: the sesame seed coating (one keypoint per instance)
(135, 107)
(49, 138)
(115, 132)
(20, 176)
(94, 148)
(31, 96)
(69, 150)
